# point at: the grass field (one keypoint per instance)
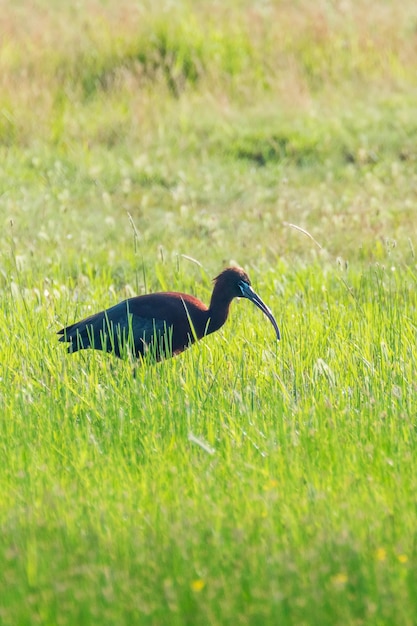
(145, 146)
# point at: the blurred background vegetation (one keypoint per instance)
(214, 121)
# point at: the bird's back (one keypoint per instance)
(161, 324)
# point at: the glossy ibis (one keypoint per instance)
(162, 324)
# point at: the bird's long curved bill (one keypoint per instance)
(253, 297)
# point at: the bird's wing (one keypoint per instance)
(149, 335)
(117, 329)
(156, 323)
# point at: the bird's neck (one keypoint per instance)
(218, 310)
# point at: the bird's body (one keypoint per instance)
(161, 324)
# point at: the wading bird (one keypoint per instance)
(162, 324)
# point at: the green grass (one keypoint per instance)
(145, 147)
(304, 512)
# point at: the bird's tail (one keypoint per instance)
(85, 334)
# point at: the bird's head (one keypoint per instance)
(233, 282)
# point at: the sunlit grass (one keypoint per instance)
(144, 147)
(277, 475)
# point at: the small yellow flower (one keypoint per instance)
(403, 558)
(271, 484)
(340, 579)
(198, 585)
(380, 554)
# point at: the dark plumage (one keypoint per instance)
(162, 324)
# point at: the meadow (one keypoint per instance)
(144, 146)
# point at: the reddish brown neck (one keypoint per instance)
(219, 308)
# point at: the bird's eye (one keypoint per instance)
(242, 287)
